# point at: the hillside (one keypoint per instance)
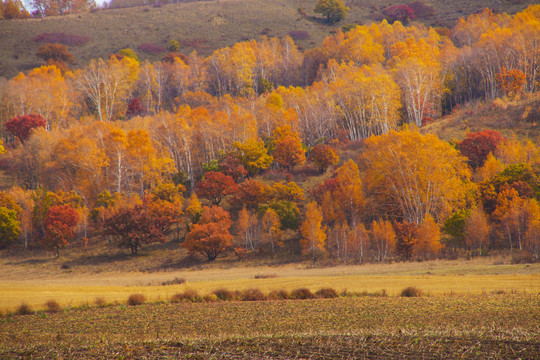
(203, 26)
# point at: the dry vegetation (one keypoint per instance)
(496, 327)
(202, 26)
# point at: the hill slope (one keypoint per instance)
(202, 26)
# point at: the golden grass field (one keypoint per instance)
(21, 284)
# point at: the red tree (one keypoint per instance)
(135, 108)
(232, 166)
(215, 186)
(210, 236)
(21, 126)
(59, 225)
(135, 226)
(477, 146)
(55, 52)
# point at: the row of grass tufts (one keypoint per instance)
(222, 294)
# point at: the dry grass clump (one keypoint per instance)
(188, 295)
(265, 276)
(302, 294)
(136, 299)
(100, 302)
(24, 309)
(52, 306)
(411, 291)
(252, 295)
(327, 293)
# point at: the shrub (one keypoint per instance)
(136, 299)
(266, 276)
(224, 294)
(61, 38)
(299, 35)
(151, 48)
(55, 52)
(333, 10)
(173, 45)
(193, 43)
(402, 13)
(278, 295)
(327, 293)
(175, 281)
(252, 295)
(421, 10)
(187, 295)
(302, 294)
(25, 309)
(52, 306)
(411, 291)
(210, 298)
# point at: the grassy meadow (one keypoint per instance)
(203, 26)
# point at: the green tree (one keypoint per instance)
(333, 10)
(9, 226)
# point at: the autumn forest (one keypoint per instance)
(261, 149)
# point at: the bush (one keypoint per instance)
(266, 276)
(302, 294)
(224, 294)
(421, 10)
(210, 298)
(299, 35)
(186, 296)
(52, 306)
(55, 52)
(136, 299)
(411, 291)
(151, 48)
(175, 281)
(401, 13)
(25, 309)
(278, 295)
(327, 293)
(252, 295)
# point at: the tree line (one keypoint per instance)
(199, 148)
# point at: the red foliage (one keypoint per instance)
(21, 126)
(299, 35)
(251, 193)
(329, 185)
(151, 48)
(135, 226)
(421, 10)
(169, 58)
(477, 146)
(323, 156)
(215, 186)
(402, 13)
(61, 38)
(210, 236)
(135, 108)
(59, 224)
(406, 235)
(233, 167)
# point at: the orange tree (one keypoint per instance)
(210, 236)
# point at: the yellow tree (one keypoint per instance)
(253, 155)
(417, 70)
(313, 232)
(248, 226)
(429, 238)
(477, 229)
(108, 84)
(271, 229)
(367, 98)
(415, 175)
(383, 239)
(349, 195)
